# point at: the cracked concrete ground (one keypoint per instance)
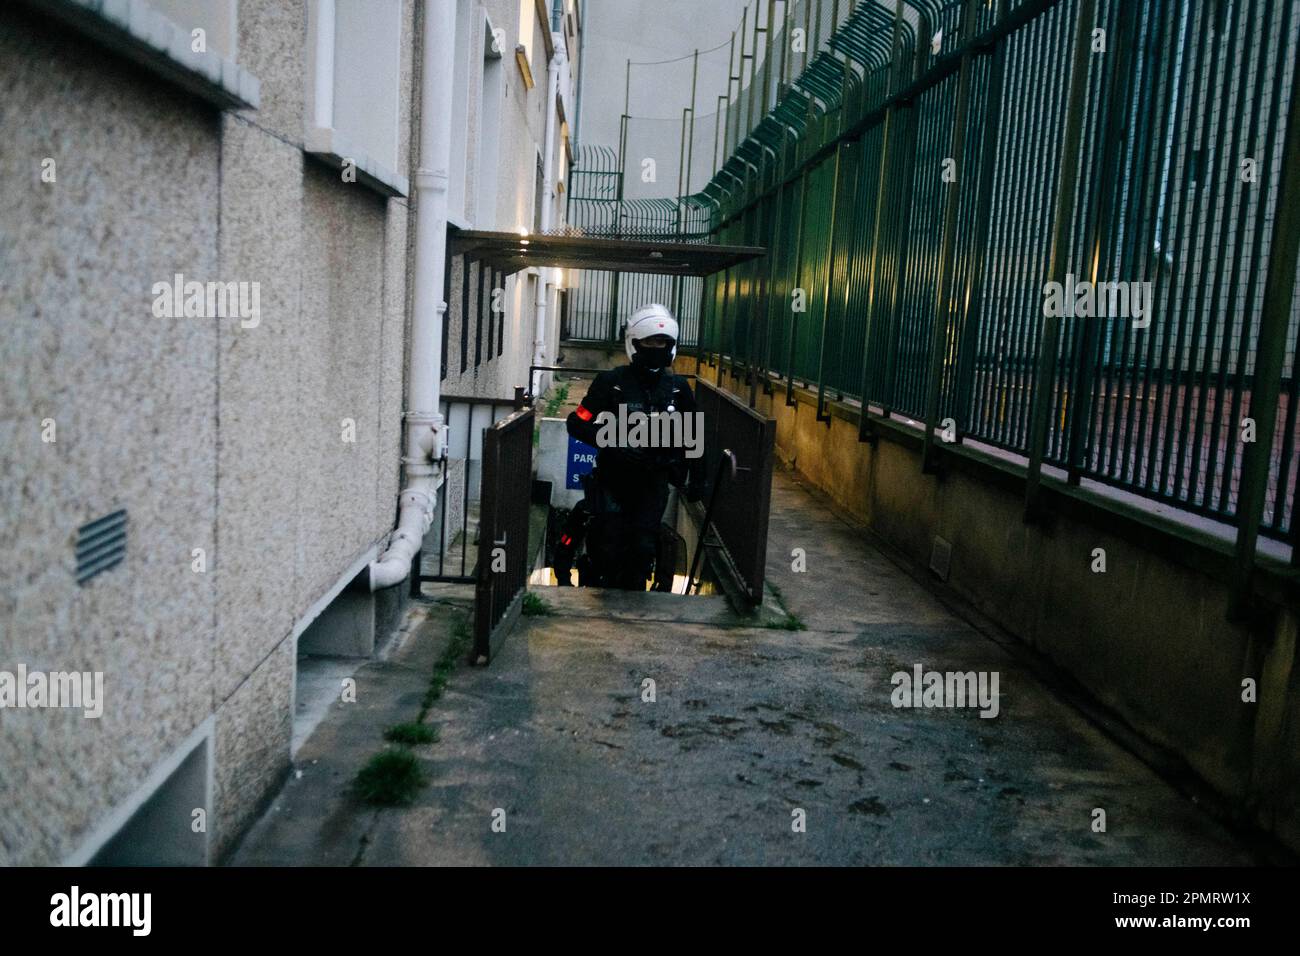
(748, 725)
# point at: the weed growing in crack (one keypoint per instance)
(535, 606)
(411, 734)
(391, 778)
(791, 621)
(554, 403)
(454, 652)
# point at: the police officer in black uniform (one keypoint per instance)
(626, 494)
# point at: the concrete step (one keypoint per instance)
(613, 604)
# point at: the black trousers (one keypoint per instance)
(624, 534)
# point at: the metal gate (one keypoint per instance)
(740, 509)
(448, 553)
(502, 570)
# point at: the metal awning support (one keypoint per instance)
(511, 252)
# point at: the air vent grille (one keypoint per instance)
(101, 545)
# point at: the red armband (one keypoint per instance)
(585, 413)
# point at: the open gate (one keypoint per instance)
(480, 533)
(501, 573)
(742, 481)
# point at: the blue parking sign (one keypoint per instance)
(582, 459)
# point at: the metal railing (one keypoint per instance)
(503, 558)
(914, 217)
(573, 370)
(449, 552)
(739, 512)
(596, 303)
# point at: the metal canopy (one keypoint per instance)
(510, 252)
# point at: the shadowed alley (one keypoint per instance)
(748, 725)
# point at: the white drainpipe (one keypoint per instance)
(548, 199)
(324, 11)
(424, 427)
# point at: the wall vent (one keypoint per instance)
(101, 545)
(941, 558)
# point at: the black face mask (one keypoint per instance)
(651, 359)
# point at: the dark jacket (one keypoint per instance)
(638, 391)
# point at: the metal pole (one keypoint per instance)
(618, 223)
(812, 47)
(722, 322)
(677, 206)
(699, 331)
(1100, 237)
(943, 297)
(973, 300)
(726, 129)
(740, 82)
(689, 134)
(753, 73)
(902, 190)
(1279, 287)
(875, 265)
(718, 127)
(826, 286)
(774, 245)
(767, 55)
(681, 168)
(690, 142)
(1040, 419)
(798, 276)
(785, 51)
(807, 34)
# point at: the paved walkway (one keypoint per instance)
(749, 725)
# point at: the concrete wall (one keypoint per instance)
(1147, 638)
(274, 448)
(134, 401)
(211, 435)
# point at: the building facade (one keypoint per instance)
(207, 251)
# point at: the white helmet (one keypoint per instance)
(653, 319)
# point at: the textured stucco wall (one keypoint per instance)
(259, 520)
(134, 400)
(212, 435)
(297, 498)
(342, 313)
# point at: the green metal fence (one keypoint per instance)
(937, 164)
(598, 302)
